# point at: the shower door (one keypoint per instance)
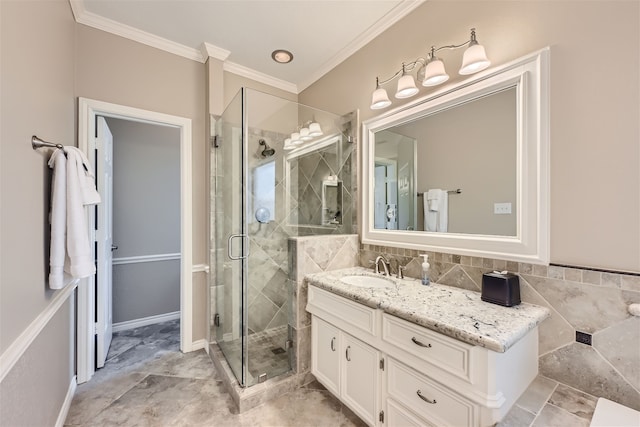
(231, 242)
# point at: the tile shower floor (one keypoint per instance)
(267, 354)
(148, 382)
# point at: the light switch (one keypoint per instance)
(502, 208)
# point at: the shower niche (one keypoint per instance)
(265, 190)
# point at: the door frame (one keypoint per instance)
(88, 109)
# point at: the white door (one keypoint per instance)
(104, 240)
(359, 378)
(325, 354)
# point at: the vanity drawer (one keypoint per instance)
(438, 405)
(437, 349)
(339, 309)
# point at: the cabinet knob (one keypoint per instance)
(416, 342)
(419, 393)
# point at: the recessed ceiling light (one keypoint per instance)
(282, 56)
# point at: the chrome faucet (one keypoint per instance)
(385, 264)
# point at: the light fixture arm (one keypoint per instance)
(406, 67)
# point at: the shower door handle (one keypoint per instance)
(230, 239)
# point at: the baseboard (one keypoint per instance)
(17, 348)
(197, 345)
(64, 411)
(145, 321)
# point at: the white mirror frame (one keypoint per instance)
(530, 76)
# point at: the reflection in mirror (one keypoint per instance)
(395, 189)
(471, 146)
(331, 201)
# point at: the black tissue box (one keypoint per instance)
(501, 287)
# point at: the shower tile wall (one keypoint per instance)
(579, 300)
(313, 254)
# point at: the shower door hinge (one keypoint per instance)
(382, 363)
(216, 320)
(381, 416)
(288, 344)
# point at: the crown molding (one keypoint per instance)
(90, 19)
(258, 76)
(213, 51)
(397, 13)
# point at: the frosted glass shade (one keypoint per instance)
(434, 73)
(287, 144)
(315, 129)
(295, 138)
(304, 134)
(380, 99)
(474, 60)
(406, 87)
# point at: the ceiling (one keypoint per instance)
(243, 33)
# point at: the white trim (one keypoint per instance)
(88, 109)
(213, 51)
(260, 77)
(11, 355)
(200, 268)
(396, 14)
(145, 321)
(64, 410)
(90, 19)
(146, 258)
(197, 345)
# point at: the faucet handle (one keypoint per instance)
(375, 266)
(401, 269)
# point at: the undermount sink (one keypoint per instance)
(367, 281)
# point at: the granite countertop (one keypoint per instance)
(458, 313)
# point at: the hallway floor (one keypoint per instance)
(147, 381)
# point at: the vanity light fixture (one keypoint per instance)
(430, 71)
(307, 132)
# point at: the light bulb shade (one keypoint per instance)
(295, 138)
(380, 99)
(315, 129)
(474, 60)
(304, 134)
(288, 145)
(434, 73)
(406, 87)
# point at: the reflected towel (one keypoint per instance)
(436, 207)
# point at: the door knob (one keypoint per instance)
(114, 248)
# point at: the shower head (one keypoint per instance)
(266, 151)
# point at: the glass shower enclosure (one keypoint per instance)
(269, 185)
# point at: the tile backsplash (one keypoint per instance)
(580, 300)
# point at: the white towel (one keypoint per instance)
(436, 207)
(58, 219)
(71, 189)
(80, 192)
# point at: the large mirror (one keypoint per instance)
(464, 170)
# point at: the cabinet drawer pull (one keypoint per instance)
(347, 354)
(419, 393)
(415, 341)
(332, 346)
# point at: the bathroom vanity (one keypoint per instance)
(399, 353)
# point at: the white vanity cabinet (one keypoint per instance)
(392, 372)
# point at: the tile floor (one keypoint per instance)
(148, 382)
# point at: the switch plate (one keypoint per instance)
(502, 208)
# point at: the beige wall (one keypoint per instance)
(120, 71)
(594, 105)
(37, 85)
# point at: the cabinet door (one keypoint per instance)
(325, 354)
(360, 378)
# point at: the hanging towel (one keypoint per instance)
(72, 188)
(436, 206)
(58, 219)
(80, 193)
